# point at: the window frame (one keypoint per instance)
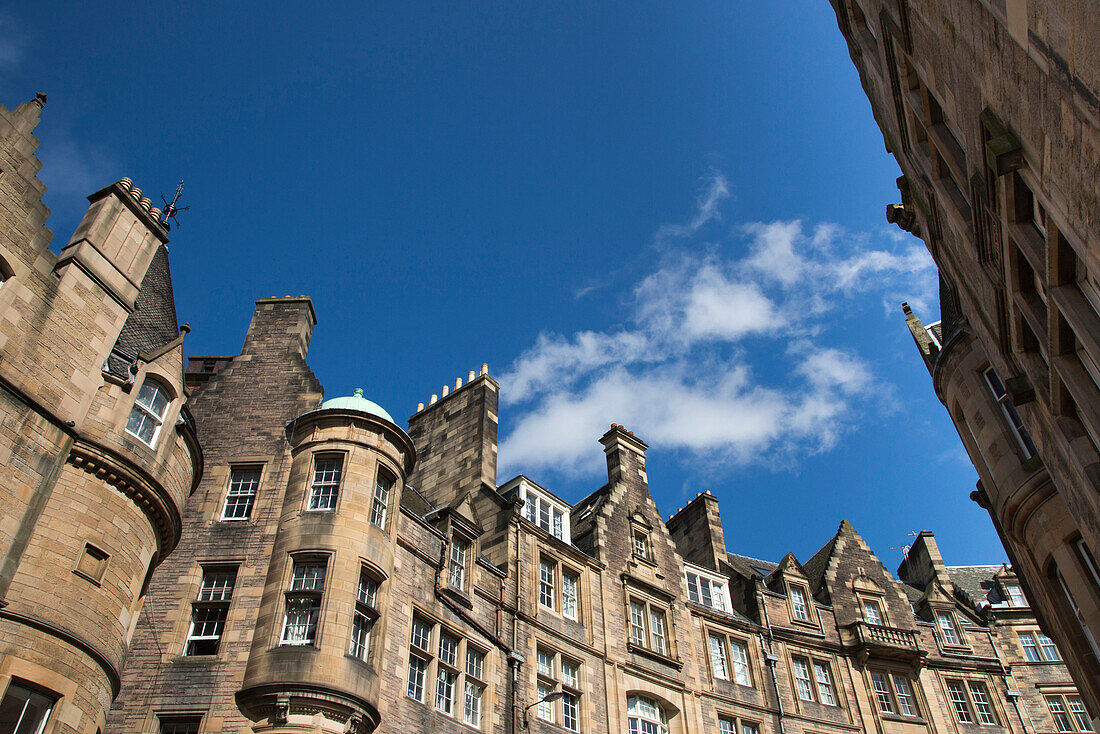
(737, 671)
(969, 701)
(209, 604)
(880, 609)
(944, 615)
(807, 604)
(1011, 598)
(384, 483)
(170, 723)
(366, 613)
(651, 610)
(148, 411)
(437, 674)
(1042, 653)
(552, 678)
(536, 505)
(1008, 411)
(559, 570)
(229, 493)
(318, 489)
(313, 595)
(811, 664)
(737, 724)
(636, 719)
(32, 690)
(1066, 700)
(716, 587)
(459, 567)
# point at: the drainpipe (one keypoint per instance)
(770, 658)
(515, 659)
(1011, 693)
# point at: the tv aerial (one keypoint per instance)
(170, 209)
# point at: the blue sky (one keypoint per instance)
(665, 215)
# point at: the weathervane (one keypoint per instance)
(170, 209)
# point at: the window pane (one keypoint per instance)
(1031, 649)
(740, 654)
(557, 528)
(448, 649)
(718, 657)
(979, 694)
(872, 611)
(445, 691)
(308, 576)
(725, 726)
(569, 711)
(570, 673)
(1058, 712)
(368, 590)
(421, 635)
(243, 483)
(747, 728)
(471, 710)
(217, 585)
(947, 627)
(475, 663)
(824, 683)
(882, 693)
(417, 669)
(905, 696)
(1050, 652)
(657, 631)
(24, 711)
(798, 603)
(637, 623)
(1080, 715)
(174, 725)
(300, 627)
(381, 501)
(569, 594)
(326, 483)
(693, 588)
(546, 583)
(459, 547)
(360, 635)
(802, 679)
(545, 663)
(957, 695)
(545, 708)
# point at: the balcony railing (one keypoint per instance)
(880, 641)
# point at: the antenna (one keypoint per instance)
(170, 209)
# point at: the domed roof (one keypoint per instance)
(357, 402)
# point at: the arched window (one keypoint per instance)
(147, 415)
(645, 716)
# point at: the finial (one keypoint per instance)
(170, 208)
(40, 99)
(357, 392)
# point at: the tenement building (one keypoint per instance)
(991, 109)
(319, 567)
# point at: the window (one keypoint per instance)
(957, 693)
(546, 515)
(382, 486)
(147, 415)
(979, 695)
(25, 710)
(872, 612)
(458, 670)
(729, 726)
(1038, 647)
(799, 609)
(558, 673)
(564, 598)
(366, 598)
(457, 573)
(92, 563)
(948, 631)
(569, 581)
(179, 724)
(326, 482)
(644, 716)
(209, 610)
(1068, 712)
(706, 590)
(882, 693)
(904, 690)
(1023, 438)
(728, 654)
(648, 626)
(639, 541)
(816, 685)
(303, 601)
(1014, 595)
(243, 483)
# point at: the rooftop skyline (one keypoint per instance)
(669, 218)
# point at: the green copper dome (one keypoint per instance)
(359, 403)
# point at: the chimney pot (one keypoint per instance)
(445, 390)
(419, 407)
(432, 401)
(458, 382)
(470, 377)
(484, 368)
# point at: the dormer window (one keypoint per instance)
(547, 514)
(147, 415)
(706, 589)
(640, 544)
(460, 550)
(800, 609)
(1014, 595)
(949, 630)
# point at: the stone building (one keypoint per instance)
(992, 110)
(98, 449)
(331, 571)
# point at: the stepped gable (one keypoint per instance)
(153, 323)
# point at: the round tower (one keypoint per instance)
(315, 652)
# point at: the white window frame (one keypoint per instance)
(384, 483)
(550, 676)
(655, 640)
(645, 716)
(1072, 708)
(552, 587)
(44, 701)
(324, 487)
(210, 610)
(145, 409)
(458, 559)
(731, 654)
(707, 589)
(804, 604)
(537, 507)
(867, 603)
(366, 612)
(951, 626)
(244, 482)
(301, 590)
(1016, 599)
(1008, 410)
(454, 666)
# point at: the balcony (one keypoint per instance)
(882, 643)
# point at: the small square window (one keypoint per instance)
(179, 724)
(92, 563)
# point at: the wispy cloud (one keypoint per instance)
(721, 357)
(13, 43)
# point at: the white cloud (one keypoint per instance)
(721, 356)
(13, 43)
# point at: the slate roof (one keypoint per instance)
(153, 322)
(748, 565)
(414, 501)
(976, 584)
(818, 562)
